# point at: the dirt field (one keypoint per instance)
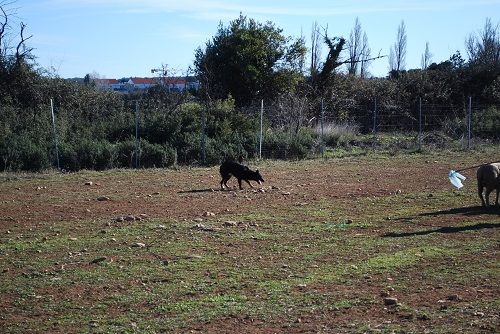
(372, 244)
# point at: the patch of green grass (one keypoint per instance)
(404, 258)
(312, 258)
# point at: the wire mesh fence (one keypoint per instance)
(422, 124)
(295, 130)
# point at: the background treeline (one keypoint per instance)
(245, 63)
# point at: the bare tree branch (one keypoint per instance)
(21, 50)
(3, 26)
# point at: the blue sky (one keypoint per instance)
(123, 38)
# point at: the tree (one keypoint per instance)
(332, 62)
(354, 46)
(484, 49)
(426, 57)
(249, 60)
(365, 57)
(315, 51)
(483, 68)
(397, 54)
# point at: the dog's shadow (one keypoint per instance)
(208, 190)
(466, 211)
(194, 191)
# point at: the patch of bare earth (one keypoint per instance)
(424, 302)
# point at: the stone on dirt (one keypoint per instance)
(208, 214)
(99, 259)
(390, 301)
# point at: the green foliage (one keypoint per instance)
(156, 155)
(20, 153)
(288, 145)
(125, 154)
(244, 62)
(249, 59)
(487, 123)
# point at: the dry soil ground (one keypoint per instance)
(320, 247)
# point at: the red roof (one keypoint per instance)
(144, 81)
(175, 81)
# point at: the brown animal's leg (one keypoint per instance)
(480, 193)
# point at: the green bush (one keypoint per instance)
(9, 153)
(68, 157)
(156, 155)
(301, 144)
(278, 144)
(125, 154)
(20, 153)
(92, 155)
(34, 157)
(486, 123)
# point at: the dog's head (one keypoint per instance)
(258, 177)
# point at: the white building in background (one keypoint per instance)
(109, 84)
(142, 84)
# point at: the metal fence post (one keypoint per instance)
(261, 117)
(137, 144)
(55, 132)
(420, 123)
(203, 139)
(375, 115)
(322, 129)
(469, 121)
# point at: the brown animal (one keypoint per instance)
(488, 176)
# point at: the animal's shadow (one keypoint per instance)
(466, 211)
(193, 191)
(208, 190)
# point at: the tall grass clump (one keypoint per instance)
(338, 134)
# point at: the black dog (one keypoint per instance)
(239, 171)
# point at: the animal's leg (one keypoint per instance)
(239, 183)
(487, 195)
(249, 183)
(480, 193)
(224, 181)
